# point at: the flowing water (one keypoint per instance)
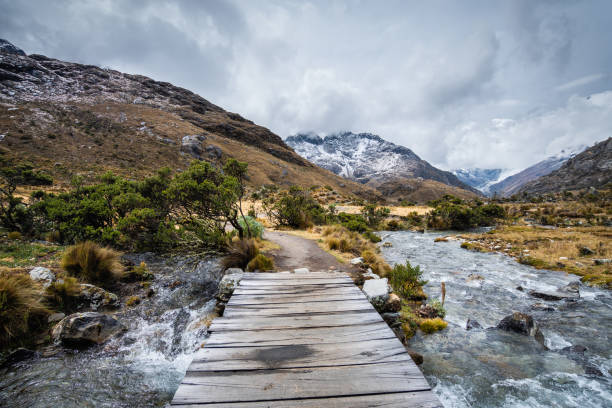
(142, 368)
(492, 368)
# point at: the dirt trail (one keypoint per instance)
(296, 252)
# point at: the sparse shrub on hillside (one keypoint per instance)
(372, 236)
(373, 215)
(260, 263)
(406, 280)
(240, 253)
(21, 309)
(456, 214)
(93, 263)
(353, 222)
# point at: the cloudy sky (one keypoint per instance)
(462, 83)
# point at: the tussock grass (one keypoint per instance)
(260, 263)
(92, 263)
(21, 308)
(240, 253)
(63, 293)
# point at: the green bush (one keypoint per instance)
(260, 263)
(406, 280)
(256, 228)
(353, 222)
(21, 309)
(295, 208)
(92, 263)
(372, 237)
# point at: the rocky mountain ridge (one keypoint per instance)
(590, 169)
(71, 118)
(480, 179)
(512, 184)
(368, 159)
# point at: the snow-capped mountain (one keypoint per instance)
(367, 158)
(478, 178)
(512, 184)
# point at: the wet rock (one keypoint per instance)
(228, 283)
(55, 317)
(387, 245)
(576, 349)
(474, 277)
(17, 356)
(95, 298)
(472, 324)
(519, 323)
(392, 319)
(416, 357)
(520, 288)
(542, 307)
(554, 295)
(592, 370)
(393, 303)
(42, 275)
(85, 329)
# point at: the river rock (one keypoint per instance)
(18, 355)
(519, 323)
(357, 261)
(392, 319)
(576, 349)
(95, 298)
(542, 307)
(559, 294)
(393, 303)
(472, 324)
(42, 275)
(228, 283)
(376, 289)
(85, 329)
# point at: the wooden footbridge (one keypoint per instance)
(302, 340)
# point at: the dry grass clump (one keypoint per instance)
(432, 325)
(21, 308)
(63, 293)
(14, 235)
(93, 263)
(240, 253)
(260, 263)
(351, 243)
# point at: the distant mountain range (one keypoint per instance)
(512, 184)
(480, 179)
(368, 159)
(591, 168)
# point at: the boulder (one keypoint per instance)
(85, 329)
(568, 292)
(228, 283)
(393, 303)
(192, 144)
(577, 349)
(42, 275)
(377, 292)
(472, 324)
(18, 355)
(95, 298)
(214, 152)
(356, 261)
(519, 323)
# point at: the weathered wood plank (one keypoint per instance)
(313, 335)
(279, 384)
(422, 399)
(298, 356)
(260, 310)
(290, 276)
(293, 322)
(297, 282)
(273, 291)
(289, 298)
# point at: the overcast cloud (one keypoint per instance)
(464, 84)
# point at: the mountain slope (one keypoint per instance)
(512, 184)
(591, 168)
(80, 119)
(368, 159)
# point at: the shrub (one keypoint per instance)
(21, 309)
(344, 245)
(432, 325)
(137, 273)
(63, 293)
(240, 253)
(14, 235)
(333, 243)
(255, 227)
(369, 257)
(294, 208)
(406, 280)
(438, 307)
(92, 263)
(260, 263)
(372, 236)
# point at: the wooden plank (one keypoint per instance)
(300, 282)
(290, 298)
(292, 276)
(298, 356)
(421, 399)
(280, 384)
(295, 308)
(328, 290)
(313, 335)
(294, 322)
